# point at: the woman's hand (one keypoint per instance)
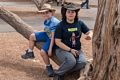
(75, 52)
(89, 35)
(50, 52)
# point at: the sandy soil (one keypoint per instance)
(12, 67)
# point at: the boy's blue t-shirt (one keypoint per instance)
(50, 25)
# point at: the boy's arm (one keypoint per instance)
(51, 45)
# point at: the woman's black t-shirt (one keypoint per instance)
(70, 34)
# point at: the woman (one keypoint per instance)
(47, 36)
(67, 38)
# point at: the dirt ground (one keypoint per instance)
(12, 67)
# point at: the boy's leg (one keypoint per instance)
(44, 50)
(45, 57)
(43, 53)
(29, 53)
(32, 40)
(36, 36)
(47, 62)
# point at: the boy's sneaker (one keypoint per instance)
(58, 77)
(50, 71)
(28, 55)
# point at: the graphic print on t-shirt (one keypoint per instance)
(73, 39)
(73, 36)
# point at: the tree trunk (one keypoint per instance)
(106, 41)
(39, 3)
(25, 30)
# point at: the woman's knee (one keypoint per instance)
(71, 61)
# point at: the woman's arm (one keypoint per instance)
(65, 47)
(86, 31)
(62, 45)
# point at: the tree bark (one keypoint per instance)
(106, 41)
(39, 3)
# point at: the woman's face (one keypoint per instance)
(47, 14)
(70, 15)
